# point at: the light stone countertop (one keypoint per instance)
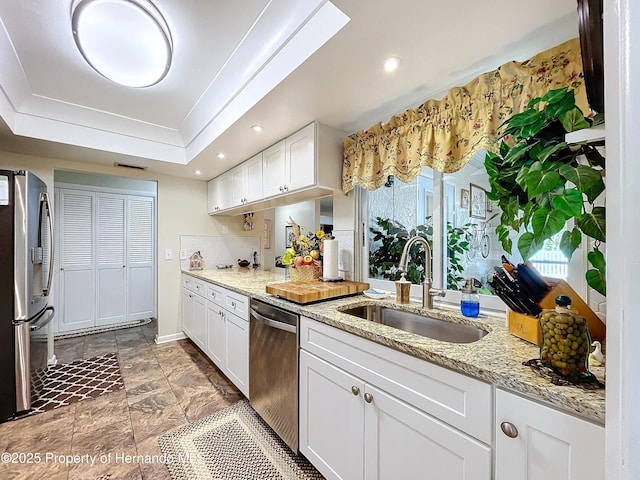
(497, 358)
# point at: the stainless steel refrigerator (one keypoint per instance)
(26, 269)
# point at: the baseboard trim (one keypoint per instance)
(170, 338)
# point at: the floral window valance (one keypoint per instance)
(445, 134)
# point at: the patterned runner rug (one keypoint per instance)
(62, 385)
(232, 444)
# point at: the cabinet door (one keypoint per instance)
(213, 190)
(238, 186)
(273, 179)
(237, 350)
(225, 191)
(187, 312)
(546, 444)
(404, 442)
(216, 337)
(200, 321)
(331, 419)
(110, 259)
(254, 178)
(300, 157)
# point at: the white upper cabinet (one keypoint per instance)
(274, 170)
(300, 159)
(246, 181)
(287, 172)
(220, 194)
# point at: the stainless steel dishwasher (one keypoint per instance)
(273, 369)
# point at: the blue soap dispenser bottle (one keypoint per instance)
(470, 304)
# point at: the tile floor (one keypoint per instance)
(166, 386)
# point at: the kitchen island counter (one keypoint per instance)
(497, 358)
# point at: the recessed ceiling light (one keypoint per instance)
(126, 41)
(220, 155)
(197, 172)
(391, 64)
(257, 128)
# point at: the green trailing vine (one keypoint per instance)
(540, 182)
(384, 260)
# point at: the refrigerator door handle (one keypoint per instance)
(42, 320)
(44, 201)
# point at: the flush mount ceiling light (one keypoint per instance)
(257, 128)
(220, 155)
(126, 41)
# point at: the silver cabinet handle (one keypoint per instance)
(355, 390)
(61, 268)
(281, 188)
(509, 429)
(368, 397)
(190, 296)
(233, 304)
(286, 188)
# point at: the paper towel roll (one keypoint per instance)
(330, 260)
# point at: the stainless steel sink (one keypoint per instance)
(425, 326)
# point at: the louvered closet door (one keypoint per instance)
(140, 258)
(76, 260)
(111, 263)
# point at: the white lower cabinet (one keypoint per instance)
(220, 330)
(187, 312)
(237, 352)
(216, 342)
(536, 442)
(228, 344)
(351, 428)
(331, 418)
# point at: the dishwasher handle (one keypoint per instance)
(274, 323)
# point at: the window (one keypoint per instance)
(452, 212)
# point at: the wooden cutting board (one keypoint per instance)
(315, 290)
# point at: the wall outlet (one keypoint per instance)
(183, 254)
(168, 254)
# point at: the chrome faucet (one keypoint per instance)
(427, 292)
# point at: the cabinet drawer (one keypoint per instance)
(194, 285)
(459, 400)
(216, 294)
(238, 304)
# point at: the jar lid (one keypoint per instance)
(563, 301)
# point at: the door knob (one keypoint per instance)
(355, 390)
(509, 429)
(368, 397)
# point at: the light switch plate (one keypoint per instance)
(183, 254)
(168, 254)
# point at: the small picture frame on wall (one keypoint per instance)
(489, 205)
(478, 198)
(464, 198)
(289, 236)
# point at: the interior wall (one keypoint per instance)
(305, 214)
(182, 210)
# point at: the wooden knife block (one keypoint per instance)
(527, 327)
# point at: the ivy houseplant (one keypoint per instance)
(540, 182)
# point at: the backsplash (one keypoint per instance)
(220, 250)
(346, 262)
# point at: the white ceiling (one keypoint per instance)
(251, 62)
